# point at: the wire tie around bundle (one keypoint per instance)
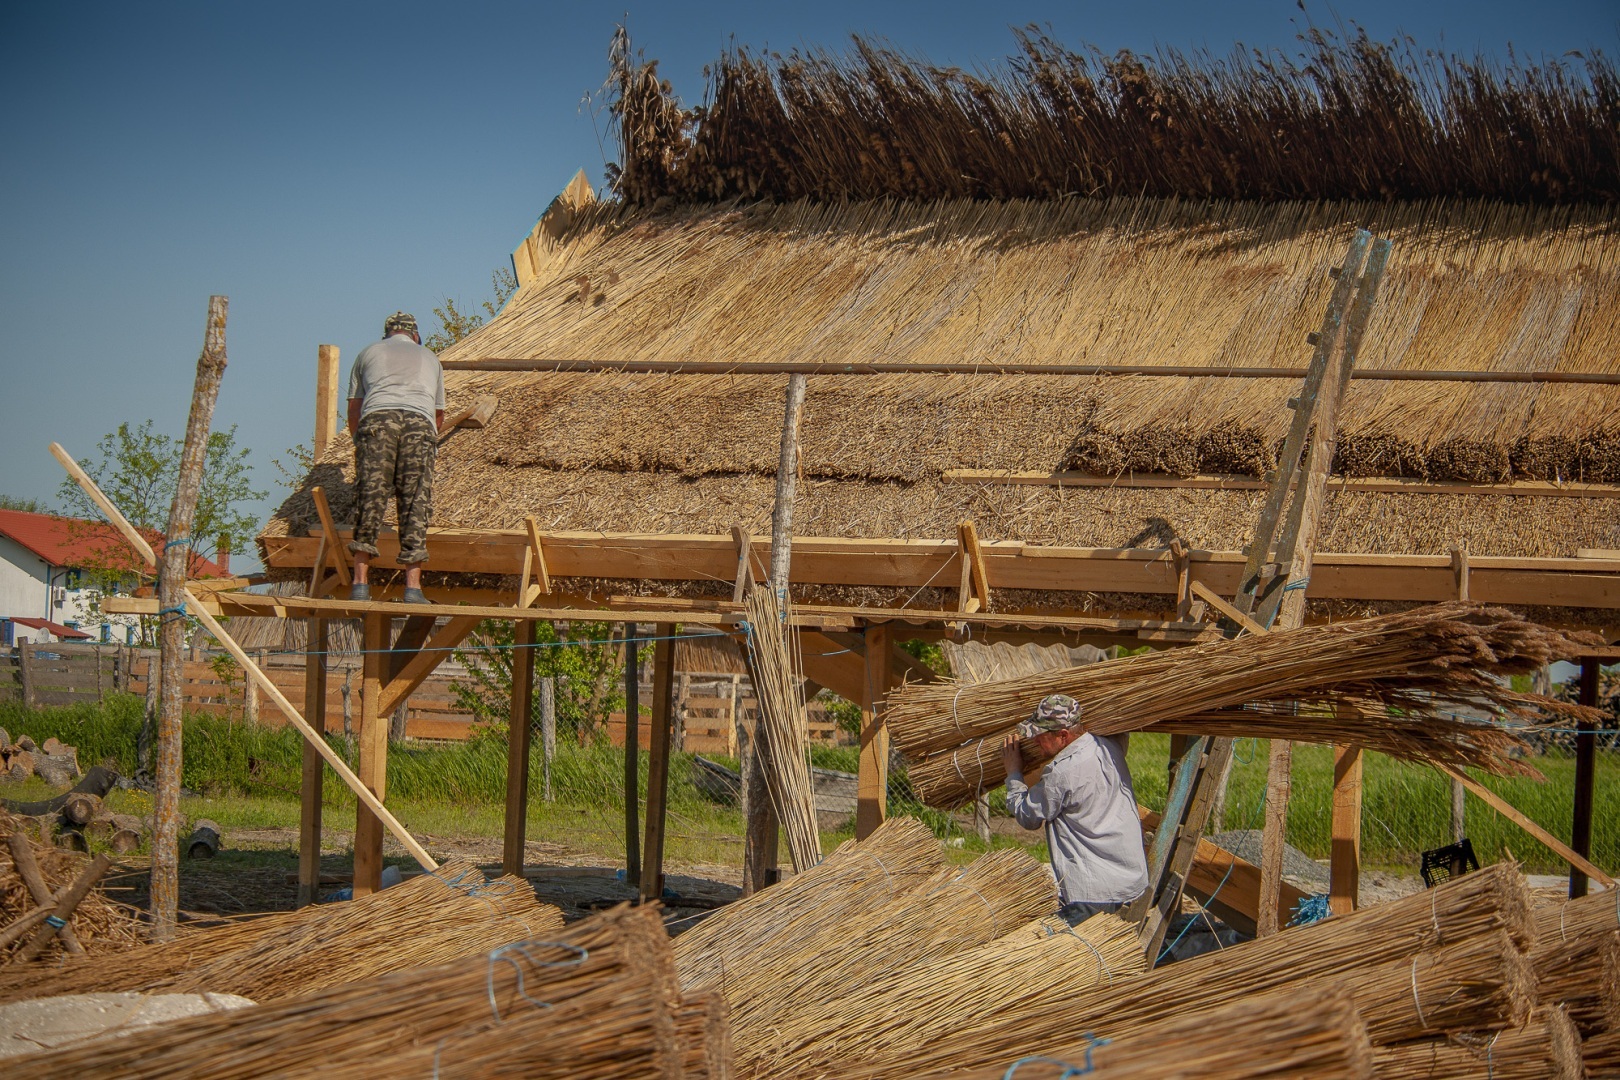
(522, 949)
(994, 931)
(956, 717)
(1102, 965)
(887, 876)
(55, 922)
(1423, 1023)
(1299, 584)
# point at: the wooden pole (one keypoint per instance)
(1344, 870)
(65, 906)
(1515, 815)
(165, 888)
(872, 784)
(368, 831)
(1585, 765)
(518, 729)
(326, 397)
(309, 786)
(548, 733)
(632, 755)
(25, 672)
(652, 861)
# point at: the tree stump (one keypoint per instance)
(204, 840)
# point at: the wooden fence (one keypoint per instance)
(713, 715)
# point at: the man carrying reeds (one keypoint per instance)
(396, 407)
(1086, 803)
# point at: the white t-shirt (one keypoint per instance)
(397, 373)
(1085, 800)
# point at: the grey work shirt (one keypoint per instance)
(397, 373)
(1085, 800)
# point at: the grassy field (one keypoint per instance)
(246, 777)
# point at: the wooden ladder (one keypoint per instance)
(1276, 571)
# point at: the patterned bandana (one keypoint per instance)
(1053, 714)
(399, 322)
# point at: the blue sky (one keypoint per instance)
(325, 164)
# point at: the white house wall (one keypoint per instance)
(24, 593)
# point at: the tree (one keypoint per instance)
(138, 468)
(27, 506)
(455, 324)
(584, 662)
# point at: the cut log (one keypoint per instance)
(58, 770)
(80, 808)
(98, 781)
(20, 766)
(204, 840)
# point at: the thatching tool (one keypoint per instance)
(266, 685)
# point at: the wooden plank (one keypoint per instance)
(326, 397)
(834, 665)
(1344, 869)
(310, 780)
(415, 670)
(1214, 600)
(872, 787)
(538, 551)
(519, 720)
(1232, 883)
(1512, 813)
(334, 546)
(373, 742)
(1393, 485)
(652, 859)
(744, 577)
(409, 641)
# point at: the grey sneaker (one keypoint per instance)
(414, 596)
(358, 591)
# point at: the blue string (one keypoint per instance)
(1069, 1068)
(1310, 909)
(179, 541)
(1300, 584)
(55, 922)
(180, 610)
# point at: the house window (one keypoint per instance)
(106, 633)
(74, 579)
(7, 631)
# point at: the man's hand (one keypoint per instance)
(1012, 759)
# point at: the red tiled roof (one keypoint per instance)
(65, 541)
(56, 628)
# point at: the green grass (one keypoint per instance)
(247, 777)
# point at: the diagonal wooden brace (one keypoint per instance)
(333, 545)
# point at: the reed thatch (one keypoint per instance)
(1601, 1055)
(1471, 286)
(783, 727)
(1267, 1035)
(1406, 684)
(103, 927)
(1546, 1048)
(1577, 959)
(705, 1037)
(597, 1000)
(1452, 955)
(1343, 117)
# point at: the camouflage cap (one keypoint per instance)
(399, 323)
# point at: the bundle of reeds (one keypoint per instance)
(1268, 1035)
(705, 1037)
(1395, 683)
(783, 725)
(859, 877)
(1346, 117)
(957, 911)
(1577, 959)
(425, 919)
(1600, 1054)
(100, 926)
(913, 1006)
(597, 1000)
(1459, 942)
(1547, 1047)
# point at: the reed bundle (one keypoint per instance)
(783, 725)
(856, 879)
(1397, 941)
(419, 921)
(1547, 1047)
(913, 1006)
(1577, 959)
(1601, 1055)
(1393, 683)
(596, 1001)
(955, 912)
(101, 926)
(705, 1037)
(1269, 1035)
(1344, 118)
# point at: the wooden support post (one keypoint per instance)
(326, 397)
(309, 788)
(632, 763)
(335, 549)
(534, 558)
(1179, 745)
(731, 716)
(517, 746)
(981, 817)
(1184, 600)
(652, 860)
(1344, 890)
(165, 886)
(368, 831)
(25, 672)
(250, 697)
(548, 732)
(872, 786)
(744, 578)
(1585, 764)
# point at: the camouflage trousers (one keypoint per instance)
(394, 450)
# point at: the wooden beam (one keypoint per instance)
(1213, 599)
(1389, 485)
(326, 398)
(421, 663)
(1344, 869)
(538, 551)
(1580, 836)
(1512, 813)
(310, 781)
(1230, 886)
(334, 545)
(834, 664)
(520, 719)
(872, 785)
(973, 571)
(368, 831)
(412, 636)
(474, 415)
(744, 578)
(1182, 371)
(652, 858)
(1459, 571)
